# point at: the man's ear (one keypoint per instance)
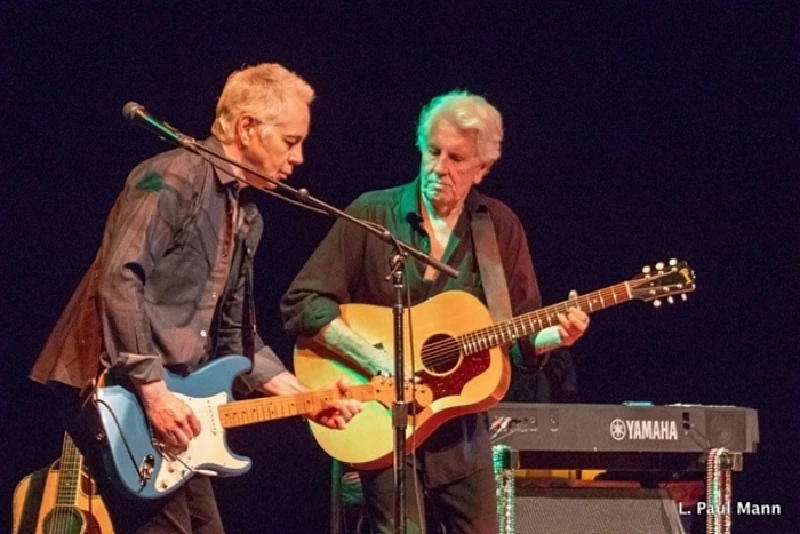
(244, 128)
(482, 172)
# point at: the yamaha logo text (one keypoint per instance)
(651, 430)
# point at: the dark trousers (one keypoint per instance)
(467, 506)
(191, 509)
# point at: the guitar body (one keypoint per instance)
(462, 385)
(139, 465)
(38, 491)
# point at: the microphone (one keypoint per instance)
(136, 113)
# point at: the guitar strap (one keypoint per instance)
(493, 276)
(249, 333)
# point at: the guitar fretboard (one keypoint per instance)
(246, 412)
(69, 473)
(508, 331)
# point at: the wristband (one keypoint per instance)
(547, 339)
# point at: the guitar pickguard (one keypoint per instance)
(452, 383)
(207, 453)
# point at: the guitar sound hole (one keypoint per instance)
(63, 520)
(440, 353)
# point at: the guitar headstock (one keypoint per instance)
(663, 282)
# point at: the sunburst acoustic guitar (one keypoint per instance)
(60, 499)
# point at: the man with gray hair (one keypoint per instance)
(171, 288)
(459, 136)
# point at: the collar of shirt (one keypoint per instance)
(222, 169)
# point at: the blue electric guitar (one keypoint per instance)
(146, 469)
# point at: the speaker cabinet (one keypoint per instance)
(595, 511)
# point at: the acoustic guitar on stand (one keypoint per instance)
(61, 499)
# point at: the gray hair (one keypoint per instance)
(261, 90)
(464, 111)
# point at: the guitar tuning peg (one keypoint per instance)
(684, 297)
(673, 261)
(656, 303)
(660, 266)
(646, 269)
(670, 300)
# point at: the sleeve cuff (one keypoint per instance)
(139, 367)
(317, 313)
(266, 365)
(547, 339)
(525, 353)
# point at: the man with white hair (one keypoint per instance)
(171, 288)
(459, 136)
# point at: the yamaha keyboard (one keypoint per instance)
(624, 437)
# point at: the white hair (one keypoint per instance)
(464, 111)
(261, 90)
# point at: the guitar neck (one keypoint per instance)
(69, 473)
(508, 331)
(251, 411)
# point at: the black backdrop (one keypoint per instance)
(632, 134)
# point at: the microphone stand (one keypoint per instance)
(397, 274)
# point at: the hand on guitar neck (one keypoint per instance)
(572, 324)
(334, 414)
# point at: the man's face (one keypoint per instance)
(276, 150)
(450, 166)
